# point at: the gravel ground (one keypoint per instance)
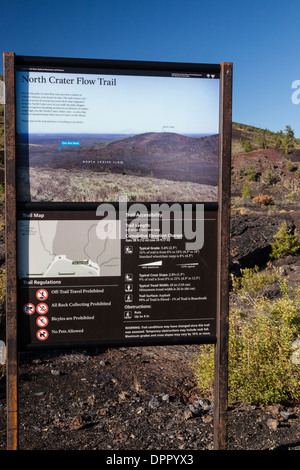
(132, 399)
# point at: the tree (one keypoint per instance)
(246, 191)
(278, 141)
(286, 242)
(247, 146)
(289, 165)
(288, 139)
(261, 139)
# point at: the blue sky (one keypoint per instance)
(261, 38)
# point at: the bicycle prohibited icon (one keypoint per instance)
(29, 309)
(42, 335)
(42, 309)
(42, 294)
(42, 322)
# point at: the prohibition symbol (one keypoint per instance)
(29, 309)
(42, 308)
(42, 335)
(42, 322)
(42, 294)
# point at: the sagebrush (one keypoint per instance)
(261, 332)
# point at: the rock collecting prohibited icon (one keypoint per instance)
(42, 308)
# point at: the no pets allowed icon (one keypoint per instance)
(42, 335)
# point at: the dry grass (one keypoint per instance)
(85, 186)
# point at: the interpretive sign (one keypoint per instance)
(117, 209)
(117, 168)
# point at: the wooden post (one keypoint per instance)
(11, 254)
(221, 347)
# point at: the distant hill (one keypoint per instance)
(259, 139)
(260, 159)
(160, 155)
(164, 144)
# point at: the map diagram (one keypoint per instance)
(67, 248)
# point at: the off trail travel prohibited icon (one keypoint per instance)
(29, 309)
(42, 309)
(42, 335)
(42, 294)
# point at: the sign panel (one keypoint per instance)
(83, 285)
(117, 193)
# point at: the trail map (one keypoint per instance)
(66, 248)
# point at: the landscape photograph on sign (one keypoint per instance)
(85, 137)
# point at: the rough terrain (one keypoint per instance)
(133, 399)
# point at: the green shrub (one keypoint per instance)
(261, 139)
(268, 177)
(247, 146)
(288, 139)
(289, 165)
(260, 371)
(260, 357)
(260, 367)
(250, 173)
(287, 308)
(202, 366)
(286, 242)
(253, 284)
(246, 191)
(277, 141)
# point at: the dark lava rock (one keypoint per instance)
(251, 237)
(81, 409)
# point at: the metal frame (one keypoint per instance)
(11, 254)
(221, 345)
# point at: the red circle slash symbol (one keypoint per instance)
(29, 309)
(42, 322)
(42, 294)
(42, 308)
(42, 335)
